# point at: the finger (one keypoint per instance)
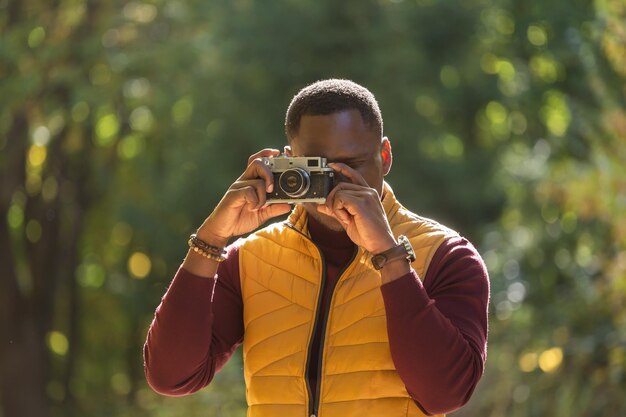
(263, 153)
(246, 195)
(342, 186)
(335, 208)
(342, 207)
(341, 215)
(352, 202)
(349, 173)
(257, 169)
(322, 208)
(273, 210)
(258, 185)
(328, 211)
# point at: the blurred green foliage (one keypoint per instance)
(123, 123)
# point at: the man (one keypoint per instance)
(328, 327)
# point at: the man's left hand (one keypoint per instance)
(359, 210)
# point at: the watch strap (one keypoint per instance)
(403, 250)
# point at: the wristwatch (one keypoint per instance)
(403, 250)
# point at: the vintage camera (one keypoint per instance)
(300, 179)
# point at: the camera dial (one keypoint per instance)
(294, 182)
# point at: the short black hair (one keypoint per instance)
(332, 96)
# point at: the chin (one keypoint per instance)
(327, 221)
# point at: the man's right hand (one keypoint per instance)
(243, 209)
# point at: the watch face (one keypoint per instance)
(409, 249)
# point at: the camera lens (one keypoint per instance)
(294, 182)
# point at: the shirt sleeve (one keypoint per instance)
(195, 329)
(438, 329)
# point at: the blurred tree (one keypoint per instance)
(556, 254)
(46, 191)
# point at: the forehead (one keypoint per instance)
(338, 135)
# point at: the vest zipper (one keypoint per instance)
(320, 319)
(314, 400)
(323, 316)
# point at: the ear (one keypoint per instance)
(385, 153)
(287, 150)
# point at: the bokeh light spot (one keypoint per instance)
(488, 63)
(33, 231)
(37, 155)
(528, 362)
(41, 136)
(36, 37)
(139, 265)
(58, 343)
(504, 23)
(49, 188)
(91, 275)
(452, 146)
(551, 359)
(140, 12)
(449, 76)
(141, 119)
(182, 110)
(130, 146)
(517, 122)
(106, 129)
(505, 69)
(496, 112)
(537, 35)
(555, 113)
(562, 258)
(426, 106)
(15, 216)
(120, 383)
(136, 88)
(521, 393)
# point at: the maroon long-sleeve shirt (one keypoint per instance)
(437, 329)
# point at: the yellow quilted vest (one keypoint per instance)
(281, 272)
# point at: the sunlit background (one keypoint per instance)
(123, 122)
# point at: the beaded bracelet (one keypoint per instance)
(208, 251)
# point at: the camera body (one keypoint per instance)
(299, 179)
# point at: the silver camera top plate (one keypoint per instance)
(308, 163)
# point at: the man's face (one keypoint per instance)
(343, 137)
